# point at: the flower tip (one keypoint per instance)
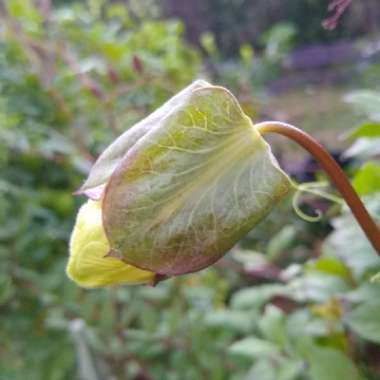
(88, 263)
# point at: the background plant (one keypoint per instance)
(293, 301)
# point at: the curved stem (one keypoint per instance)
(333, 170)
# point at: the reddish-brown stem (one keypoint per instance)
(333, 170)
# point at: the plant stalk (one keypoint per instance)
(334, 171)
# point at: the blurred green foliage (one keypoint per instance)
(71, 80)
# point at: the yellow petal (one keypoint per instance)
(87, 265)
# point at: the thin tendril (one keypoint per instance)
(315, 189)
(297, 209)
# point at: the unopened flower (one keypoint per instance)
(175, 192)
(88, 265)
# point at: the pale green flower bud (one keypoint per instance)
(177, 191)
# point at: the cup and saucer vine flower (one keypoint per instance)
(175, 192)
(180, 188)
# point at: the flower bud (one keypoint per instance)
(182, 186)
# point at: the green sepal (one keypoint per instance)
(198, 178)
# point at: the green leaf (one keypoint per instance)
(191, 187)
(364, 148)
(367, 179)
(367, 292)
(366, 130)
(7, 288)
(25, 10)
(281, 242)
(349, 244)
(365, 321)
(330, 364)
(88, 365)
(272, 325)
(290, 370)
(330, 265)
(253, 348)
(256, 296)
(376, 278)
(231, 320)
(263, 370)
(316, 287)
(367, 102)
